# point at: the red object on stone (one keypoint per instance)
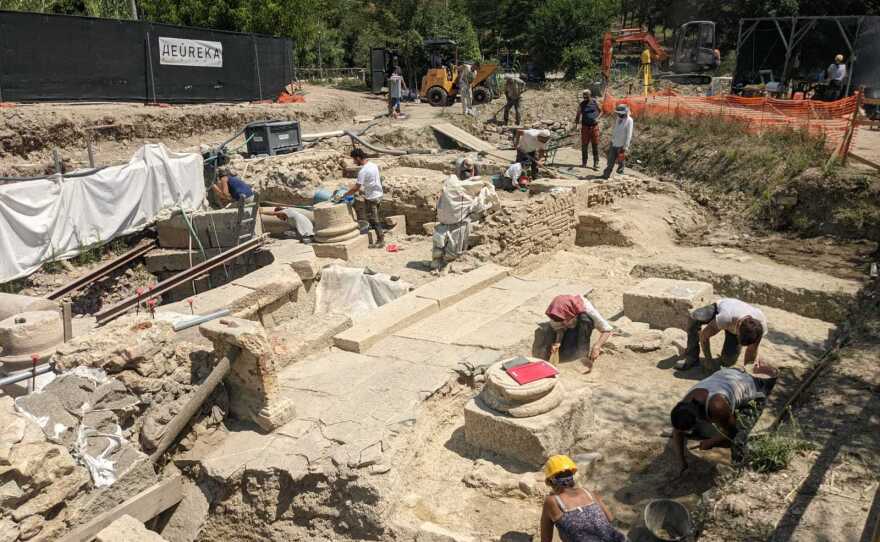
(392, 247)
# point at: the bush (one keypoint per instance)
(771, 452)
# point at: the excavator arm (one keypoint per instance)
(629, 35)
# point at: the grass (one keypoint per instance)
(771, 452)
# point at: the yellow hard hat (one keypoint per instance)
(557, 464)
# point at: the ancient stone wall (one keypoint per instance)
(544, 223)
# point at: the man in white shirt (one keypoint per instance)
(743, 325)
(369, 183)
(531, 146)
(621, 137)
(836, 74)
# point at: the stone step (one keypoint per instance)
(795, 290)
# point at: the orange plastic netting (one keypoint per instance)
(831, 120)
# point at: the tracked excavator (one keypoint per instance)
(694, 52)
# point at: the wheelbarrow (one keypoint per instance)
(668, 520)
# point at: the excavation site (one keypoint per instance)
(327, 316)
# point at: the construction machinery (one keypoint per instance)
(440, 84)
(694, 52)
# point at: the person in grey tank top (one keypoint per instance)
(721, 410)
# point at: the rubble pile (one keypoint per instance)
(290, 178)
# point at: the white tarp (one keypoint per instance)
(183, 52)
(350, 291)
(460, 200)
(48, 219)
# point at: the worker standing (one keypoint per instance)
(588, 116)
(396, 86)
(370, 184)
(647, 77)
(621, 137)
(513, 89)
(836, 76)
(465, 78)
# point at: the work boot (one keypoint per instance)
(620, 170)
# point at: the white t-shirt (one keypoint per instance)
(370, 181)
(599, 322)
(528, 140)
(731, 310)
(299, 222)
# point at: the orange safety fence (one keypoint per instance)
(834, 121)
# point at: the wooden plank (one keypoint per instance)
(465, 139)
(862, 160)
(144, 506)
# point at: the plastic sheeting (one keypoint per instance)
(462, 200)
(54, 218)
(351, 291)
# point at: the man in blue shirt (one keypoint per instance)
(588, 116)
(230, 187)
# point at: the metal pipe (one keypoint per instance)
(26, 374)
(186, 324)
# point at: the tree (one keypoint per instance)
(567, 34)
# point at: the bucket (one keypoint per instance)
(668, 520)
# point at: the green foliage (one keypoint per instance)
(573, 27)
(771, 452)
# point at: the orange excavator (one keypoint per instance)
(694, 51)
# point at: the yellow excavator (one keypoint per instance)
(440, 84)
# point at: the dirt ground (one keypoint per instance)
(825, 494)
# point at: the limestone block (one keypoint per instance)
(12, 304)
(215, 229)
(399, 224)
(343, 250)
(529, 440)
(255, 394)
(127, 529)
(58, 424)
(188, 517)
(50, 477)
(453, 288)
(384, 321)
(299, 256)
(595, 229)
(664, 303)
(102, 348)
(27, 333)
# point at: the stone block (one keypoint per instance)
(12, 304)
(453, 288)
(188, 517)
(299, 256)
(542, 186)
(399, 224)
(215, 229)
(596, 229)
(386, 320)
(664, 303)
(127, 529)
(529, 440)
(344, 250)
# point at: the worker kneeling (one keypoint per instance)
(721, 410)
(572, 319)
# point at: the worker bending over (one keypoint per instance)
(743, 325)
(588, 116)
(721, 410)
(369, 183)
(229, 188)
(531, 147)
(513, 90)
(572, 319)
(621, 137)
(299, 226)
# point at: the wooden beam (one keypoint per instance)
(147, 504)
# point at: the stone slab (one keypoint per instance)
(447, 326)
(216, 228)
(11, 304)
(298, 255)
(386, 320)
(127, 529)
(453, 288)
(399, 224)
(664, 303)
(542, 186)
(529, 440)
(345, 250)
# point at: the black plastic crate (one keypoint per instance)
(279, 137)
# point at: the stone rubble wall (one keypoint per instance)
(544, 223)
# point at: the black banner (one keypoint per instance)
(61, 57)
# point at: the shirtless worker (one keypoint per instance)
(721, 410)
(743, 325)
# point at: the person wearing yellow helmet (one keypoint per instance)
(578, 514)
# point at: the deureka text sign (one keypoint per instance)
(182, 52)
